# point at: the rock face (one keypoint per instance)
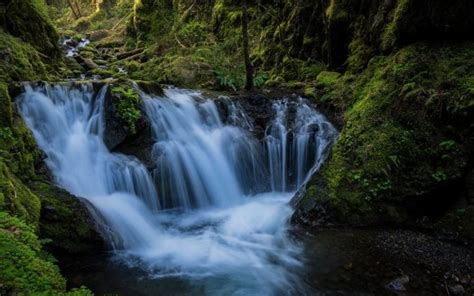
(67, 220)
(117, 105)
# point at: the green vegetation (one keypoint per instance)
(406, 133)
(128, 106)
(29, 21)
(25, 268)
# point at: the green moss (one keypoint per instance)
(17, 147)
(326, 79)
(359, 56)
(392, 148)
(20, 60)
(28, 20)
(335, 11)
(128, 106)
(17, 199)
(103, 72)
(391, 33)
(152, 19)
(25, 268)
(65, 221)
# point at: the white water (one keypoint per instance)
(199, 216)
(71, 48)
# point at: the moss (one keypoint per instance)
(128, 106)
(17, 199)
(326, 79)
(17, 146)
(360, 54)
(103, 72)
(392, 151)
(65, 221)
(20, 60)
(28, 20)
(152, 19)
(335, 11)
(389, 37)
(25, 268)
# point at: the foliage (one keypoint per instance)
(20, 61)
(393, 148)
(25, 268)
(128, 106)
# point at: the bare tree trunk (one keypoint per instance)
(245, 37)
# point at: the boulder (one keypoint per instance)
(97, 35)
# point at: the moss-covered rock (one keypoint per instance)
(123, 113)
(407, 139)
(127, 106)
(25, 268)
(28, 20)
(16, 198)
(19, 60)
(66, 221)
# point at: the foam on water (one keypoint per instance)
(203, 213)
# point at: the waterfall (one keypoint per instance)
(297, 142)
(200, 161)
(214, 209)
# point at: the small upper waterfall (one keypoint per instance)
(225, 192)
(297, 140)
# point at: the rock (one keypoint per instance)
(398, 284)
(98, 35)
(116, 130)
(457, 290)
(101, 62)
(87, 63)
(68, 220)
(73, 65)
(150, 88)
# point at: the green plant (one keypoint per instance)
(128, 106)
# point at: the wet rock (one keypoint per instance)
(87, 63)
(71, 42)
(116, 130)
(67, 220)
(150, 88)
(398, 284)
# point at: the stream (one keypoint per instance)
(212, 216)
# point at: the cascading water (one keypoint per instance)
(296, 141)
(214, 211)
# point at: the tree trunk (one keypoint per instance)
(245, 37)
